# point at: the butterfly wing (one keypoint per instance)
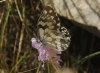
(51, 32)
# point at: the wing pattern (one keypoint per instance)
(50, 30)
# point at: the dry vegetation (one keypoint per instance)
(18, 25)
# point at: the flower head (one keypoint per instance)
(46, 52)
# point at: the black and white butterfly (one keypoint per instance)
(50, 30)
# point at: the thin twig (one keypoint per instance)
(28, 70)
(20, 44)
(1, 17)
(21, 37)
(18, 11)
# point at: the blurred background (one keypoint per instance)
(18, 24)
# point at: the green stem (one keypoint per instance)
(48, 68)
(38, 67)
(4, 23)
(87, 57)
(20, 60)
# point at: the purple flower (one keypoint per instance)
(46, 52)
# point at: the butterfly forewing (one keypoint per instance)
(51, 32)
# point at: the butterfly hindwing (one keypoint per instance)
(50, 30)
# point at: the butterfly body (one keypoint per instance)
(50, 30)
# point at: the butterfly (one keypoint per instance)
(50, 30)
